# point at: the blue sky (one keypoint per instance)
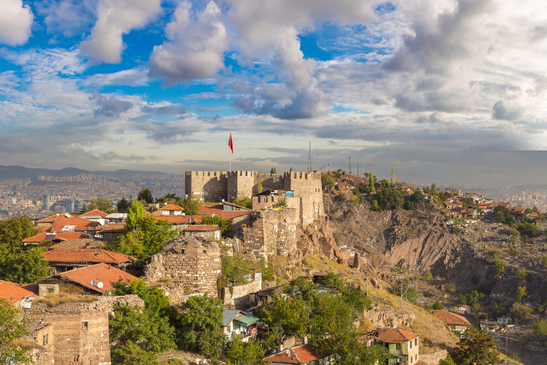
(445, 91)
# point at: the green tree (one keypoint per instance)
(291, 170)
(438, 305)
(328, 180)
(199, 325)
(520, 311)
(434, 189)
(501, 214)
(244, 353)
(522, 274)
(333, 280)
(142, 327)
(102, 204)
(123, 206)
(14, 230)
(499, 265)
(477, 347)
(540, 330)
(145, 195)
(498, 310)
(273, 171)
(259, 188)
(154, 298)
(291, 314)
(302, 287)
(225, 226)
(191, 205)
(145, 236)
(529, 229)
(131, 354)
(244, 202)
(521, 291)
(12, 329)
(371, 181)
(392, 177)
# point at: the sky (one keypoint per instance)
(439, 91)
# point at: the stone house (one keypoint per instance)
(65, 259)
(91, 280)
(452, 320)
(403, 346)
(111, 231)
(303, 354)
(209, 232)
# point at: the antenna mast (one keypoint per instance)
(358, 165)
(349, 163)
(309, 160)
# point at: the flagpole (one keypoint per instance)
(230, 151)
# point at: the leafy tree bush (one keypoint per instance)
(447, 361)
(477, 347)
(499, 265)
(130, 353)
(244, 353)
(191, 205)
(521, 291)
(333, 280)
(339, 173)
(501, 214)
(282, 202)
(145, 195)
(357, 299)
(434, 189)
(259, 188)
(450, 287)
(498, 310)
(529, 229)
(540, 330)
(520, 311)
(291, 314)
(328, 180)
(273, 171)
(11, 329)
(428, 276)
(387, 199)
(302, 287)
(199, 325)
(123, 206)
(522, 274)
(438, 305)
(244, 202)
(225, 226)
(102, 204)
(145, 237)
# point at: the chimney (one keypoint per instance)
(304, 339)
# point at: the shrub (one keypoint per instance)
(529, 229)
(428, 276)
(450, 287)
(522, 274)
(438, 305)
(520, 311)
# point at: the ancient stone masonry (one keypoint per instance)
(272, 232)
(231, 185)
(189, 265)
(77, 332)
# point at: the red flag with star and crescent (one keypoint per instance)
(231, 143)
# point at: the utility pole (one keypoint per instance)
(358, 165)
(507, 339)
(320, 164)
(349, 163)
(309, 160)
(403, 293)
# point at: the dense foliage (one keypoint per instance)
(20, 263)
(145, 195)
(10, 330)
(224, 225)
(528, 229)
(102, 204)
(387, 199)
(244, 202)
(477, 347)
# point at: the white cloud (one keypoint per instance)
(67, 16)
(195, 48)
(15, 22)
(116, 18)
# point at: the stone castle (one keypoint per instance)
(307, 196)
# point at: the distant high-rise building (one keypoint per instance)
(46, 204)
(69, 205)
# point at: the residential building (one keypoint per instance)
(14, 293)
(66, 259)
(403, 346)
(95, 215)
(54, 237)
(171, 209)
(452, 320)
(303, 354)
(211, 232)
(237, 322)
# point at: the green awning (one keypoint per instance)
(246, 320)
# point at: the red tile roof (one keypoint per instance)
(64, 236)
(94, 213)
(59, 222)
(451, 318)
(229, 215)
(13, 292)
(211, 209)
(103, 273)
(201, 228)
(235, 205)
(171, 207)
(112, 227)
(296, 355)
(392, 335)
(84, 255)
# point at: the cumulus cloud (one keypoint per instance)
(152, 111)
(15, 22)
(505, 112)
(195, 47)
(67, 16)
(116, 18)
(109, 106)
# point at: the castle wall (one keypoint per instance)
(193, 266)
(270, 233)
(206, 185)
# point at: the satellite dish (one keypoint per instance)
(93, 282)
(100, 285)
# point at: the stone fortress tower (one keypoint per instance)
(214, 186)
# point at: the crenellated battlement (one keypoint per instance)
(302, 175)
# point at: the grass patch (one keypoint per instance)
(54, 300)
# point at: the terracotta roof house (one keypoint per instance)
(65, 259)
(454, 321)
(227, 206)
(179, 222)
(203, 230)
(171, 209)
(95, 215)
(55, 237)
(91, 280)
(111, 231)
(303, 354)
(14, 293)
(116, 217)
(66, 223)
(403, 346)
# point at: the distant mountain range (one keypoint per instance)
(20, 172)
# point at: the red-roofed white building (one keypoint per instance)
(403, 346)
(14, 293)
(65, 259)
(171, 209)
(303, 354)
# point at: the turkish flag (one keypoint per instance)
(231, 143)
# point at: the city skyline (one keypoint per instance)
(439, 91)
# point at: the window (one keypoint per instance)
(45, 339)
(85, 325)
(397, 346)
(416, 342)
(50, 290)
(411, 344)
